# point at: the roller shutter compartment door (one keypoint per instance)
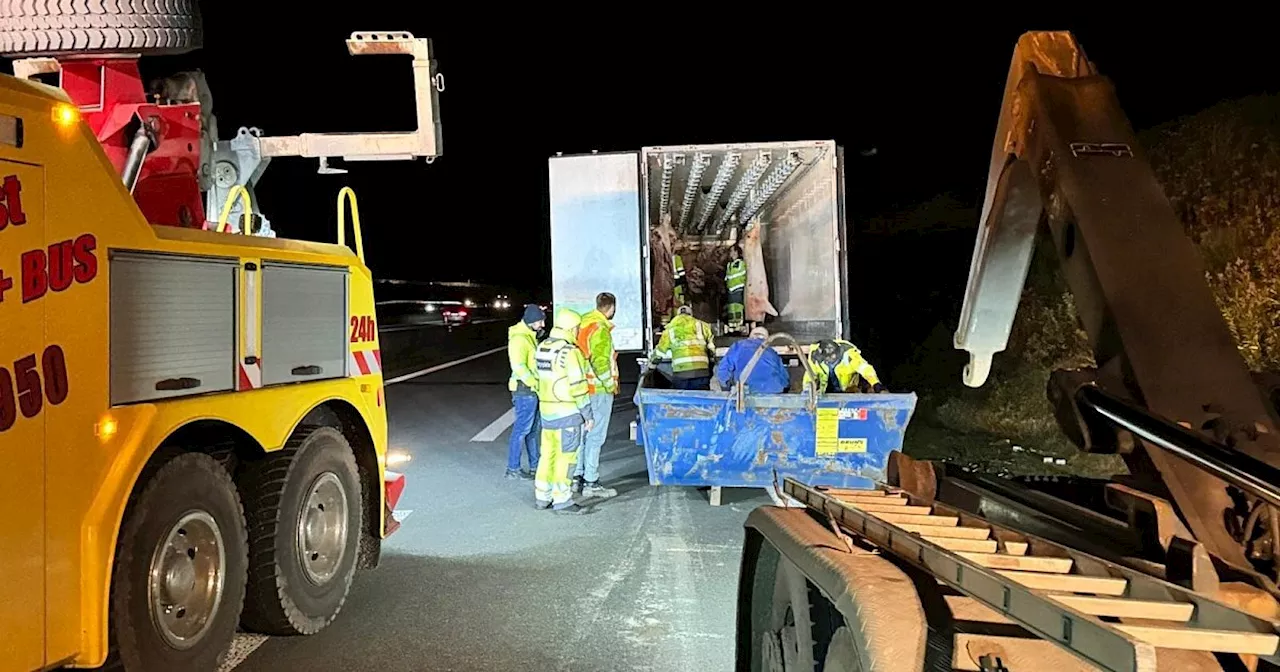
(172, 326)
(304, 323)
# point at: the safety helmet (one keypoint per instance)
(827, 351)
(567, 319)
(684, 309)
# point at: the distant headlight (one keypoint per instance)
(430, 308)
(468, 303)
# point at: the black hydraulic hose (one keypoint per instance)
(1243, 471)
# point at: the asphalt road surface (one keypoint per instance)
(477, 579)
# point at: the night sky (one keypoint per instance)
(926, 99)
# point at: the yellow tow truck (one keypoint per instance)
(192, 425)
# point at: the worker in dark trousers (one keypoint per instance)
(522, 346)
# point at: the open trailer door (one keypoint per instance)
(596, 239)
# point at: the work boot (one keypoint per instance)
(541, 504)
(569, 507)
(576, 486)
(519, 475)
(594, 489)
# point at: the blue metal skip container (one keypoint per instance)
(698, 438)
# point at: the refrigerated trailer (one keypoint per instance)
(614, 217)
(605, 208)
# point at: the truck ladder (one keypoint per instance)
(1109, 615)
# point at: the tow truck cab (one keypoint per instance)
(174, 403)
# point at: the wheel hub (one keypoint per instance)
(322, 528)
(186, 579)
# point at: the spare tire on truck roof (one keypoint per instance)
(64, 27)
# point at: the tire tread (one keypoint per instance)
(126, 640)
(165, 26)
(268, 608)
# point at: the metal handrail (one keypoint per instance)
(347, 194)
(243, 193)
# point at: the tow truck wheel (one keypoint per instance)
(303, 508)
(136, 26)
(179, 575)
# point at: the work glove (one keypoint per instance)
(878, 388)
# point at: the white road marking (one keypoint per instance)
(496, 428)
(441, 367)
(243, 645)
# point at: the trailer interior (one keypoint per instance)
(705, 198)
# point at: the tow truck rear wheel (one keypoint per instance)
(179, 575)
(303, 508)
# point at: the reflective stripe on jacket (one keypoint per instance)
(595, 340)
(522, 343)
(686, 342)
(735, 275)
(562, 385)
(677, 266)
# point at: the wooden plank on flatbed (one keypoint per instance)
(1026, 563)
(1120, 607)
(971, 545)
(1068, 583)
(896, 509)
(1198, 639)
(930, 521)
(875, 501)
(958, 532)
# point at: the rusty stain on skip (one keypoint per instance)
(688, 411)
(889, 417)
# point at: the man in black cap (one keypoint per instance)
(522, 348)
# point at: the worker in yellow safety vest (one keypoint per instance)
(735, 280)
(681, 286)
(688, 343)
(840, 366)
(595, 340)
(564, 410)
(522, 343)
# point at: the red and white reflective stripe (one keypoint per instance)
(364, 362)
(250, 376)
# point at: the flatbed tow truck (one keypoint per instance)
(1172, 567)
(192, 420)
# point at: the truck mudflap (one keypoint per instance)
(879, 603)
(393, 487)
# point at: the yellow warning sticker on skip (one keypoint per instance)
(827, 435)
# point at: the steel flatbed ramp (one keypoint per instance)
(1055, 592)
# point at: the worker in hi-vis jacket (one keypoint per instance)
(522, 343)
(564, 409)
(840, 365)
(735, 281)
(688, 343)
(595, 340)
(681, 290)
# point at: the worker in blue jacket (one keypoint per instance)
(768, 376)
